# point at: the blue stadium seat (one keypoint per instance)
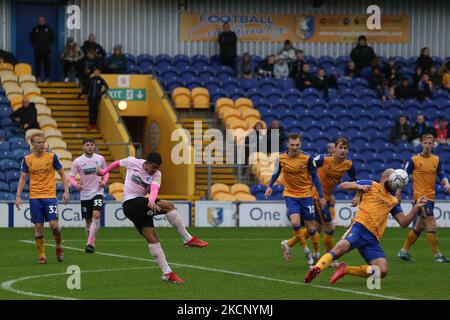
(248, 84)
(167, 71)
(280, 105)
(134, 69)
(13, 187)
(236, 93)
(441, 94)
(311, 93)
(287, 115)
(267, 83)
(277, 192)
(311, 60)
(444, 104)
(186, 71)
(7, 155)
(5, 112)
(108, 197)
(6, 196)
(368, 94)
(205, 71)
(192, 82)
(5, 146)
(225, 71)
(200, 60)
(274, 93)
(211, 83)
(163, 60)
(326, 60)
(174, 82)
(145, 60)
(147, 69)
(255, 93)
(12, 176)
(286, 83)
(344, 84)
(437, 61)
(181, 60)
(258, 191)
(292, 94)
(131, 58)
(230, 83)
(4, 187)
(411, 62)
(217, 94)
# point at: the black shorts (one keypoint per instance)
(139, 213)
(87, 206)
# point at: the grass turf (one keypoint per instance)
(240, 263)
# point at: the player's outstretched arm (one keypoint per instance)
(20, 186)
(111, 167)
(66, 196)
(404, 220)
(354, 186)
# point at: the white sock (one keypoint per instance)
(93, 231)
(176, 222)
(306, 250)
(87, 228)
(157, 252)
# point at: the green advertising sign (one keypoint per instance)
(128, 94)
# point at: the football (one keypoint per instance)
(399, 178)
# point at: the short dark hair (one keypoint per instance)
(344, 141)
(298, 51)
(295, 136)
(362, 37)
(287, 41)
(86, 140)
(154, 157)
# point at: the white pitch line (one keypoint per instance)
(8, 285)
(248, 275)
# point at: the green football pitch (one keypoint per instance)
(239, 263)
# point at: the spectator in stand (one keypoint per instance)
(352, 71)
(266, 66)
(393, 81)
(26, 116)
(404, 91)
(297, 64)
(7, 57)
(420, 128)
(446, 75)
(91, 45)
(442, 131)
(89, 63)
(401, 131)
(362, 55)
(424, 61)
(247, 75)
(435, 77)
(424, 88)
(117, 63)
(261, 139)
(228, 46)
(288, 52)
(416, 77)
(390, 67)
(97, 87)
(304, 79)
(281, 68)
(323, 83)
(377, 82)
(71, 57)
(245, 66)
(280, 133)
(42, 38)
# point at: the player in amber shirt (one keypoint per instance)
(41, 166)
(331, 169)
(299, 173)
(367, 229)
(424, 167)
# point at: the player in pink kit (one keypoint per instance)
(143, 177)
(91, 187)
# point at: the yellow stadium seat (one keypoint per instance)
(28, 86)
(118, 195)
(249, 113)
(27, 78)
(244, 197)
(8, 77)
(229, 114)
(16, 101)
(253, 121)
(30, 92)
(22, 69)
(30, 132)
(12, 89)
(6, 67)
(200, 98)
(235, 123)
(239, 187)
(227, 110)
(219, 187)
(56, 143)
(46, 121)
(243, 102)
(222, 196)
(223, 102)
(64, 154)
(52, 132)
(116, 186)
(43, 110)
(181, 97)
(66, 164)
(38, 99)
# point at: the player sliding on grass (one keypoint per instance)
(41, 166)
(331, 169)
(143, 177)
(424, 167)
(367, 229)
(300, 173)
(91, 187)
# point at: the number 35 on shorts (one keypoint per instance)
(98, 202)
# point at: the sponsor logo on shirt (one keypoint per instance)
(139, 181)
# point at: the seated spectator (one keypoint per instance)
(7, 57)
(377, 82)
(424, 88)
(362, 55)
(420, 128)
(401, 131)
(245, 65)
(297, 64)
(442, 131)
(424, 61)
(71, 57)
(393, 81)
(435, 77)
(281, 68)
(416, 77)
(266, 66)
(288, 52)
(323, 83)
(404, 91)
(389, 67)
(275, 125)
(247, 75)
(26, 116)
(351, 71)
(304, 79)
(91, 45)
(117, 63)
(446, 75)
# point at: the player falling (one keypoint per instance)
(331, 169)
(367, 229)
(300, 173)
(143, 177)
(424, 167)
(41, 166)
(91, 187)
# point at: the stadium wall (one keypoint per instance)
(152, 26)
(5, 24)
